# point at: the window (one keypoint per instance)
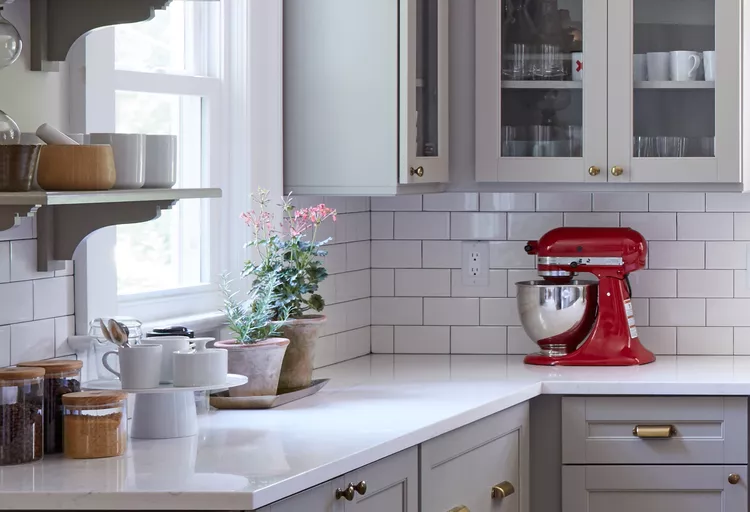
(208, 72)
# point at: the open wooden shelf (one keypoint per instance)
(674, 85)
(65, 219)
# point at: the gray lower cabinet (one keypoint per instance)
(655, 488)
(318, 499)
(460, 468)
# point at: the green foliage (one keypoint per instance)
(253, 320)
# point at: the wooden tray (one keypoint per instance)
(222, 400)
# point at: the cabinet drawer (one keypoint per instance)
(461, 467)
(696, 430)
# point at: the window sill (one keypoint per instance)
(200, 323)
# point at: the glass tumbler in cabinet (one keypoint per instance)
(548, 112)
(683, 95)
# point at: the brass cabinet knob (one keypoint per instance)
(460, 509)
(361, 488)
(502, 490)
(734, 478)
(617, 171)
(594, 170)
(347, 494)
(419, 171)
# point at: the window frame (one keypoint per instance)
(250, 74)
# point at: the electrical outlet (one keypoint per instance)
(475, 266)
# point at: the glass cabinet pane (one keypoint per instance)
(542, 78)
(427, 78)
(674, 74)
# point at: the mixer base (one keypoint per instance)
(636, 357)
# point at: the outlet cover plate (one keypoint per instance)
(475, 263)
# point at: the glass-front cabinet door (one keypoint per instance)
(424, 72)
(674, 90)
(541, 90)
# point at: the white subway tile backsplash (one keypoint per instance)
(641, 311)
(53, 297)
(676, 255)
(515, 276)
(728, 312)
(677, 202)
(479, 340)
(335, 260)
(23, 229)
(726, 255)
(556, 202)
(64, 327)
(741, 289)
(498, 312)
(592, 220)
(451, 202)
(381, 339)
(705, 226)
(422, 225)
(654, 283)
(357, 227)
(742, 341)
(67, 271)
(357, 204)
(352, 285)
(519, 342)
(478, 226)
(358, 256)
(325, 351)
(705, 283)
(507, 202)
(653, 226)
(742, 226)
(705, 340)
(396, 254)
(4, 346)
(351, 344)
(423, 283)
(16, 302)
(396, 204)
(32, 341)
(396, 311)
(727, 202)
(336, 319)
(510, 255)
(498, 285)
(620, 202)
(4, 263)
(358, 313)
(23, 260)
(422, 340)
(451, 311)
(677, 312)
(381, 225)
(531, 226)
(659, 340)
(441, 254)
(382, 282)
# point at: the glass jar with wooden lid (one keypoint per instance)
(95, 424)
(61, 376)
(21, 415)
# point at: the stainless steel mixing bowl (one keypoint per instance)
(558, 317)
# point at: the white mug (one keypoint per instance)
(202, 366)
(130, 157)
(684, 66)
(658, 66)
(640, 67)
(140, 366)
(576, 62)
(709, 65)
(170, 345)
(161, 161)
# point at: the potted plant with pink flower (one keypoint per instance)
(290, 254)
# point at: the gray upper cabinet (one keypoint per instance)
(365, 96)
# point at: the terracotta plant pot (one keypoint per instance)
(259, 362)
(296, 372)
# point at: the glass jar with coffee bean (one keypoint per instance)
(21, 415)
(61, 376)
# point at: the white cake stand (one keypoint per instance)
(165, 412)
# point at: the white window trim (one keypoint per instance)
(252, 97)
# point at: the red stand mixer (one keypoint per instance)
(584, 323)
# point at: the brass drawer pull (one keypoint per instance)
(460, 509)
(654, 431)
(347, 494)
(502, 490)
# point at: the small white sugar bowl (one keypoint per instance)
(200, 367)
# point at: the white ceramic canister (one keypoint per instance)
(200, 367)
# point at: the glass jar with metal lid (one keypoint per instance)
(21, 415)
(95, 424)
(61, 377)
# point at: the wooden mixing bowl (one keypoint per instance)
(76, 168)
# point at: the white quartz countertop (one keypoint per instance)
(373, 407)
